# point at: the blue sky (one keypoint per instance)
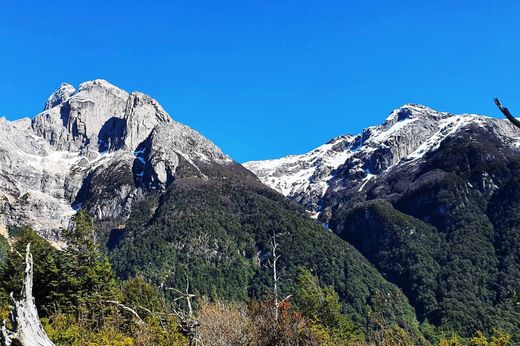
(267, 78)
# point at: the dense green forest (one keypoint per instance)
(446, 233)
(219, 235)
(81, 302)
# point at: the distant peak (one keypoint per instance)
(412, 110)
(59, 96)
(415, 105)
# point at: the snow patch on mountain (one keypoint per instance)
(406, 135)
(296, 174)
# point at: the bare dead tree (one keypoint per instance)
(508, 114)
(28, 330)
(272, 262)
(188, 323)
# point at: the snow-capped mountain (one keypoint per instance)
(351, 163)
(99, 147)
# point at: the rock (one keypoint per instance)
(90, 149)
(142, 114)
(58, 97)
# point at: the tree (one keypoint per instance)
(499, 338)
(188, 323)
(452, 341)
(88, 270)
(28, 330)
(508, 114)
(50, 288)
(224, 324)
(323, 308)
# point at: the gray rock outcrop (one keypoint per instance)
(89, 148)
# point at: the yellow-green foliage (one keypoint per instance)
(499, 338)
(452, 341)
(323, 308)
(65, 329)
(116, 330)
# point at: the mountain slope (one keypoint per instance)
(217, 232)
(170, 205)
(419, 198)
(350, 163)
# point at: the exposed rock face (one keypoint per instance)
(171, 143)
(142, 114)
(61, 95)
(348, 166)
(82, 151)
(85, 120)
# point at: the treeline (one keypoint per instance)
(81, 302)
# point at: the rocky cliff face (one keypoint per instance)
(98, 147)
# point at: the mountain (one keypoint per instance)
(169, 205)
(406, 135)
(97, 133)
(430, 198)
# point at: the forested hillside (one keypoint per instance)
(430, 199)
(82, 302)
(446, 233)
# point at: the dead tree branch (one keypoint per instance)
(187, 321)
(128, 309)
(272, 263)
(508, 114)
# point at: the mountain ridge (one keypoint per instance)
(407, 133)
(49, 160)
(168, 204)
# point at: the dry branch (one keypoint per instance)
(508, 114)
(187, 321)
(128, 309)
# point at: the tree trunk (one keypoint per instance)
(28, 330)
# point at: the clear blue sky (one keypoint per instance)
(267, 78)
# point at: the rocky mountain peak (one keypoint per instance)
(100, 85)
(97, 117)
(97, 147)
(354, 162)
(59, 96)
(413, 111)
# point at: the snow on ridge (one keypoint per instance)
(447, 127)
(295, 173)
(407, 134)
